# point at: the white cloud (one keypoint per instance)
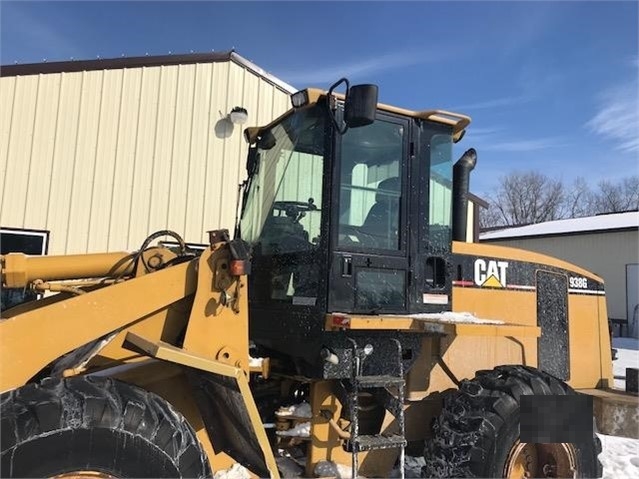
(498, 139)
(496, 102)
(526, 145)
(531, 83)
(484, 132)
(617, 119)
(527, 25)
(483, 136)
(26, 27)
(355, 69)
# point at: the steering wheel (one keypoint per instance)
(298, 205)
(295, 209)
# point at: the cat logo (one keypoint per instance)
(490, 273)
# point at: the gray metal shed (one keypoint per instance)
(607, 245)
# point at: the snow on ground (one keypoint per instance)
(302, 409)
(627, 357)
(300, 430)
(620, 457)
(237, 471)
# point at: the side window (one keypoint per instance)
(370, 186)
(440, 188)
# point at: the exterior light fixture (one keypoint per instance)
(238, 115)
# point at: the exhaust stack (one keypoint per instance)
(461, 182)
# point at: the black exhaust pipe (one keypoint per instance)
(461, 182)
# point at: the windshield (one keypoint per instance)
(282, 210)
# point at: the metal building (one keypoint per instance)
(96, 155)
(607, 245)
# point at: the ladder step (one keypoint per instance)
(378, 381)
(367, 443)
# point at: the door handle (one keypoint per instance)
(347, 266)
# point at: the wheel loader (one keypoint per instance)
(345, 323)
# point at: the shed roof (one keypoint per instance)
(600, 223)
(139, 62)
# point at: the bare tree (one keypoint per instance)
(617, 197)
(532, 197)
(490, 217)
(578, 200)
(529, 197)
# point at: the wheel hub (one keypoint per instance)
(84, 475)
(527, 460)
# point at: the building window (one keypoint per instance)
(31, 242)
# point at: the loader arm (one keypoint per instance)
(35, 338)
(192, 313)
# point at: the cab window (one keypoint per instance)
(371, 186)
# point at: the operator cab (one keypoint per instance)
(348, 208)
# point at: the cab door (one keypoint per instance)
(369, 270)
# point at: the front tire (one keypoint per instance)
(95, 424)
(477, 433)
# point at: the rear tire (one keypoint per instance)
(477, 433)
(95, 424)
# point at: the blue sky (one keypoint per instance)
(551, 86)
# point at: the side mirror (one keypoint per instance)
(360, 105)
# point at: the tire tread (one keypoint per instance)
(98, 402)
(463, 434)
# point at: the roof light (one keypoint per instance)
(299, 99)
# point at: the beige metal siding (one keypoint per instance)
(470, 221)
(104, 158)
(7, 95)
(21, 139)
(605, 254)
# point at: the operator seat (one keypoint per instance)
(382, 221)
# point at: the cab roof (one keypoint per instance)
(457, 121)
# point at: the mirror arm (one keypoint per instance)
(331, 104)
